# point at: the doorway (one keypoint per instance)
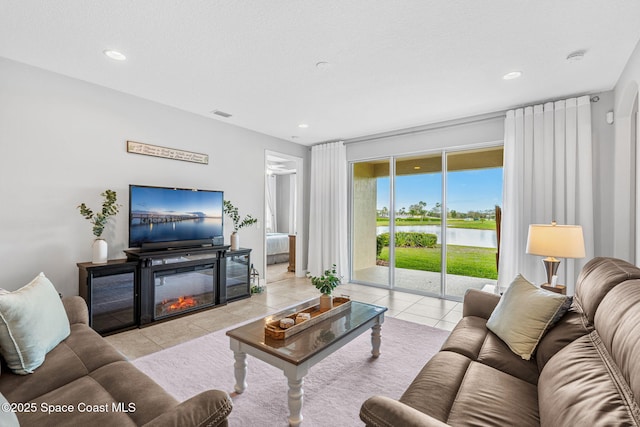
(283, 216)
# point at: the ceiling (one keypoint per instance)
(391, 64)
(277, 165)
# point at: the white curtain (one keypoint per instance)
(271, 219)
(548, 176)
(328, 208)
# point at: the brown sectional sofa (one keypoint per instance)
(586, 369)
(85, 381)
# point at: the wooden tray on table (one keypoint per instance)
(272, 329)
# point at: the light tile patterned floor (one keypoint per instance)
(414, 308)
(419, 280)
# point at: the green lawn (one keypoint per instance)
(461, 260)
(451, 223)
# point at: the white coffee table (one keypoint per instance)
(297, 354)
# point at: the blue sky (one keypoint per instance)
(157, 199)
(479, 189)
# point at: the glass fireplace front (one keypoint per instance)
(179, 290)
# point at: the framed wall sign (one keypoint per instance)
(167, 153)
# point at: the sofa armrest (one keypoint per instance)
(479, 303)
(380, 411)
(209, 408)
(76, 309)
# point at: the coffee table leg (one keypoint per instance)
(295, 401)
(240, 371)
(375, 340)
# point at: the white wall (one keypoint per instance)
(624, 209)
(446, 135)
(283, 203)
(603, 139)
(63, 142)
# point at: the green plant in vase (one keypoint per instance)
(232, 212)
(99, 220)
(326, 283)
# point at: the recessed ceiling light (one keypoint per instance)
(303, 125)
(114, 54)
(417, 168)
(322, 65)
(576, 56)
(512, 75)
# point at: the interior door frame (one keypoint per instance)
(300, 238)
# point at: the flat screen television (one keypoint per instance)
(162, 217)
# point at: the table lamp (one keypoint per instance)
(553, 240)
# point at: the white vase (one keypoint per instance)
(100, 250)
(235, 241)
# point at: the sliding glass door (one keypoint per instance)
(427, 223)
(474, 192)
(418, 227)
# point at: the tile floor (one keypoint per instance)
(414, 308)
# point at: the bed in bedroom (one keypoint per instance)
(277, 248)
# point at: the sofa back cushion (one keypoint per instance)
(580, 386)
(595, 380)
(597, 278)
(572, 326)
(618, 324)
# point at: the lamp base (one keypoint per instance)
(551, 267)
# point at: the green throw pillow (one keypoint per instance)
(32, 322)
(523, 315)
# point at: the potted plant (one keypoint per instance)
(232, 212)
(326, 283)
(99, 220)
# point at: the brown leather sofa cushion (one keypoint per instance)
(618, 324)
(82, 352)
(597, 278)
(472, 339)
(458, 391)
(581, 387)
(572, 326)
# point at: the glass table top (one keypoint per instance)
(304, 344)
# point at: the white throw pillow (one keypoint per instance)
(32, 322)
(8, 418)
(523, 315)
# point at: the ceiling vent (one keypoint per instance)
(221, 114)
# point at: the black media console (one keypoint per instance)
(154, 285)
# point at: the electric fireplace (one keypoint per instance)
(179, 281)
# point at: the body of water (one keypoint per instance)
(455, 236)
(191, 229)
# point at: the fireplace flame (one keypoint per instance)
(182, 303)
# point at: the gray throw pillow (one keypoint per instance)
(523, 315)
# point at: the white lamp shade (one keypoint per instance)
(562, 241)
